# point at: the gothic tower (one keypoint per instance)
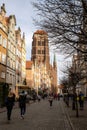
(44, 74)
(40, 49)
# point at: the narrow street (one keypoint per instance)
(39, 116)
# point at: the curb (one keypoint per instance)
(70, 122)
(67, 116)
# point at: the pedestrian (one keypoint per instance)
(22, 104)
(50, 100)
(39, 98)
(58, 96)
(81, 100)
(9, 102)
(74, 100)
(67, 99)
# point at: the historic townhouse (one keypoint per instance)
(3, 54)
(12, 54)
(23, 60)
(3, 45)
(18, 57)
(29, 73)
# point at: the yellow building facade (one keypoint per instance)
(12, 52)
(3, 44)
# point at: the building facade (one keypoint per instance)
(29, 74)
(18, 56)
(44, 75)
(12, 52)
(3, 45)
(23, 60)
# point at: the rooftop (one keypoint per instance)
(28, 64)
(41, 32)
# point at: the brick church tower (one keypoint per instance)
(40, 48)
(44, 75)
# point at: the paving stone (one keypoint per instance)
(39, 116)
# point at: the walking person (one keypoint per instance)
(39, 98)
(50, 100)
(81, 100)
(22, 104)
(9, 104)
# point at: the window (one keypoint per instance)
(8, 62)
(11, 48)
(9, 45)
(23, 64)
(3, 75)
(0, 24)
(11, 63)
(43, 43)
(39, 51)
(43, 51)
(14, 49)
(39, 43)
(4, 42)
(0, 39)
(7, 77)
(17, 65)
(3, 58)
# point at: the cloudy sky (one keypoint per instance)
(23, 11)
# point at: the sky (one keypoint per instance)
(24, 13)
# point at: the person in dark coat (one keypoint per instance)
(50, 99)
(81, 100)
(22, 104)
(9, 104)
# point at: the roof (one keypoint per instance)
(41, 32)
(28, 64)
(8, 18)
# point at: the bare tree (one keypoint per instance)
(65, 21)
(73, 78)
(65, 83)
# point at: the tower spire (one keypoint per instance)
(3, 11)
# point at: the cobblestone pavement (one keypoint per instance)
(39, 116)
(78, 123)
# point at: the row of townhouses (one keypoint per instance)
(12, 52)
